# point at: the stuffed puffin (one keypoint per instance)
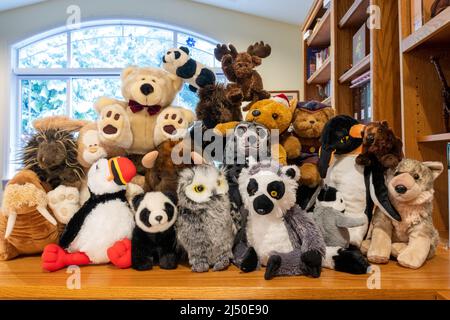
(341, 144)
(103, 220)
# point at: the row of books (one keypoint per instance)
(362, 102)
(315, 59)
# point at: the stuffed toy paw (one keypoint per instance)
(120, 254)
(64, 202)
(173, 124)
(313, 263)
(55, 258)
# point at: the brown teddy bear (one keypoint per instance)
(239, 68)
(146, 91)
(218, 104)
(275, 114)
(380, 143)
(307, 124)
(26, 224)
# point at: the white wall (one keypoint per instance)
(281, 71)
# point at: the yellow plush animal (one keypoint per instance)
(276, 114)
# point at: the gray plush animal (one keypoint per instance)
(329, 215)
(204, 225)
(279, 234)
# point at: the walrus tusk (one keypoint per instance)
(10, 224)
(46, 215)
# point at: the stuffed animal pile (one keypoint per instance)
(289, 186)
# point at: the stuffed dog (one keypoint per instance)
(414, 239)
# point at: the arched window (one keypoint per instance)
(64, 72)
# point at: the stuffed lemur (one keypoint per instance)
(204, 225)
(329, 215)
(178, 62)
(341, 140)
(249, 139)
(279, 234)
(154, 238)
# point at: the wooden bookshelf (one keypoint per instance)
(423, 133)
(356, 14)
(356, 70)
(434, 33)
(321, 35)
(322, 75)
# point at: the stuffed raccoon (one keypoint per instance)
(204, 224)
(178, 62)
(279, 234)
(154, 238)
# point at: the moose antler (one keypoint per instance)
(259, 49)
(222, 50)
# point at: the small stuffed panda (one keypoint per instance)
(178, 62)
(154, 238)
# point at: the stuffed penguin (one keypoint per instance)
(104, 219)
(178, 62)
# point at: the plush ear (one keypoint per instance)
(356, 131)
(177, 82)
(256, 61)
(185, 49)
(188, 115)
(329, 112)
(127, 71)
(148, 161)
(172, 196)
(436, 168)
(137, 200)
(197, 159)
(384, 123)
(292, 172)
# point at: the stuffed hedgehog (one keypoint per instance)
(279, 234)
(178, 62)
(154, 238)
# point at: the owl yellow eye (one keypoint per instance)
(273, 193)
(199, 188)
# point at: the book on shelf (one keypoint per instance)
(306, 34)
(361, 44)
(362, 102)
(321, 57)
(361, 80)
(311, 64)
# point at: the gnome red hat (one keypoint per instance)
(122, 170)
(281, 98)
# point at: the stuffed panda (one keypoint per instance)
(279, 234)
(178, 62)
(154, 238)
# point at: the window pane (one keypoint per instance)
(186, 98)
(48, 53)
(200, 50)
(41, 98)
(120, 46)
(85, 91)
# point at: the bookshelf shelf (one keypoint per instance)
(435, 32)
(323, 74)
(443, 137)
(356, 15)
(321, 35)
(356, 70)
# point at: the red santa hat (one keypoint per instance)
(122, 170)
(282, 98)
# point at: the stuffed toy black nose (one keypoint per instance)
(312, 121)
(370, 138)
(146, 89)
(158, 218)
(256, 113)
(262, 205)
(252, 140)
(401, 189)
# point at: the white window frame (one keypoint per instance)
(19, 74)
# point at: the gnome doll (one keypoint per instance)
(104, 219)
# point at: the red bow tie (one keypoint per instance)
(136, 107)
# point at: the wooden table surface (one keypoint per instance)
(23, 279)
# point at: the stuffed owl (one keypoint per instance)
(204, 224)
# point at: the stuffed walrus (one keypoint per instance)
(26, 225)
